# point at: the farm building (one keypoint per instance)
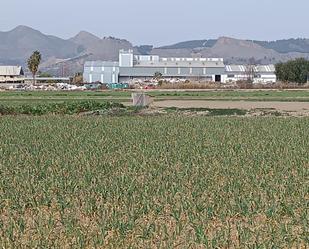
(11, 74)
(259, 74)
(144, 67)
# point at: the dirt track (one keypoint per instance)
(299, 107)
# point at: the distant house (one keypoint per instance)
(11, 74)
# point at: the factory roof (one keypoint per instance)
(182, 62)
(258, 69)
(11, 71)
(266, 68)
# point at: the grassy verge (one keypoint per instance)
(271, 95)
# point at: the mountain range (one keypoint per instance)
(65, 57)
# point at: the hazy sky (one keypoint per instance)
(161, 22)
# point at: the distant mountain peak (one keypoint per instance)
(23, 29)
(226, 40)
(85, 35)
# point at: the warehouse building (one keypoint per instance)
(259, 74)
(11, 74)
(144, 67)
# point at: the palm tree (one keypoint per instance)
(33, 64)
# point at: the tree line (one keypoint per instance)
(293, 71)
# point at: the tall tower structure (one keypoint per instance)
(126, 58)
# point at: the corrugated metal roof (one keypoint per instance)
(213, 63)
(11, 71)
(235, 68)
(258, 69)
(266, 68)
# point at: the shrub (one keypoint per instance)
(58, 108)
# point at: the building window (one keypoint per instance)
(179, 71)
(191, 71)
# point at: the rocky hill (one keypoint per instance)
(238, 51)
(18, 44)
(58, 54)
(280, 46)
(100, 49)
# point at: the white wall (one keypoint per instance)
(265, 78)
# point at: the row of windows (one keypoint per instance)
(243, 76)
(166, 70)
(102, 69)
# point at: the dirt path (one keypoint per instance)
(299, 107)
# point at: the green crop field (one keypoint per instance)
(154, 182)
(38, 97)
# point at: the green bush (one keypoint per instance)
(293, 71)
(58, 108)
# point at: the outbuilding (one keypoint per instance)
(259, 74)
(11, 74)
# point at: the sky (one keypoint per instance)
(161, 22)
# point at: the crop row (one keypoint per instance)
(154, 182)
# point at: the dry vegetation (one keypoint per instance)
(238, 85)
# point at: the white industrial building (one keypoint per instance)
(262, 74)
(144, 67)
(11, 74)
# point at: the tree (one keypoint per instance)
(33, 64)
(78, 78)
(250, 70)
(157, 75)
(158, 78)
(293, 71)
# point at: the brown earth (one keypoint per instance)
(299, 108)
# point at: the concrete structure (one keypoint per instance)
(101, 71)
(11, 74)
(144, 67)
(262, 73)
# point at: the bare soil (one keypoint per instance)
(297, 108)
